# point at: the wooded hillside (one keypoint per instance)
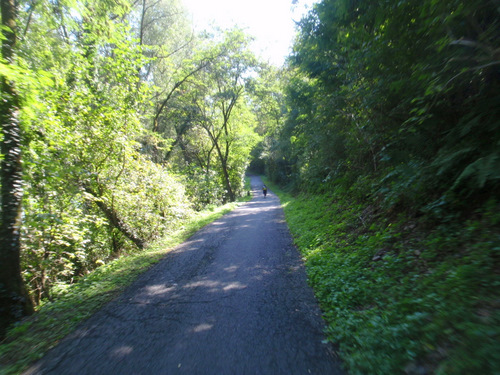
(119, 123)
(391, 136)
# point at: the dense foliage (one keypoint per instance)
(398, 88)
(119, 123)
(400, 295)
(392, 129)
(130, 123)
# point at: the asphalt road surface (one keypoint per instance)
(233, 299)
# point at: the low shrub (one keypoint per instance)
(402, 294)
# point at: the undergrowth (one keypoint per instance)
(28, 340)
(402, 295)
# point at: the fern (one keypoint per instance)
(481, 171)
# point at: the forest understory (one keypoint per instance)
(402, 293)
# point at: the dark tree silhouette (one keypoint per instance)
(13, 301)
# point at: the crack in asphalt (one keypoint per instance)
(232, 299)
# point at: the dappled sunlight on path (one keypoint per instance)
(233, 299)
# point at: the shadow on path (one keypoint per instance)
(233, 299)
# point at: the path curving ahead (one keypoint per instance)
(233, 299)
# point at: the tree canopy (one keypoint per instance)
(127, 123)
(391, 87)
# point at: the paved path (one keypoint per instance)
(233, 299)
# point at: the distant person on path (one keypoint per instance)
(264, 190)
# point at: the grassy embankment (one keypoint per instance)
(402, 296)
(30, 339)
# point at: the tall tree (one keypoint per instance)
(90, 193)
(13, 301)
(225, 83)
(212, 95)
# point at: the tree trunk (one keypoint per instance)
(13, 301)
(114, 220)
(227, 180)
(222, 158)
(226, 113)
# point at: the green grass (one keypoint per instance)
(30, 339)
(400, 296)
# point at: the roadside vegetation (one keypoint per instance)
(121, 125)
(389, 145)
(399, 294)
(29, 339)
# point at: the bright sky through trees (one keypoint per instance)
(271, 22)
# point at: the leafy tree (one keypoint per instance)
(387, 77)
(224, 91)
(87, 194)
(74, 144)
(268, 105)
(165, 37)
(13, 300)
(214, 98)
